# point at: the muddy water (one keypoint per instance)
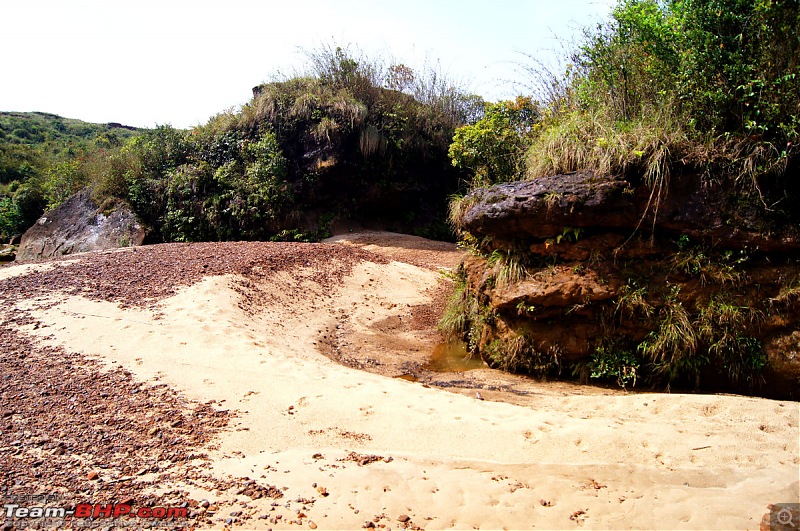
(452, 357)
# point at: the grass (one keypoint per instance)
(728, 330)
(696, 263)
(457, 208)
(633, 301)
(460, 312)
(612, 362)
(508, 267)
(517, 353)
(672, 349)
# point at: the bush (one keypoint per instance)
(10, 219)
(610, 362)
(62, 180)
(493, 147)
(710, 82)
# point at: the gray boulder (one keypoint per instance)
(78, 225)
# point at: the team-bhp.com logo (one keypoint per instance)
(93, 510)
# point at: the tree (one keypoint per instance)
(493, 148)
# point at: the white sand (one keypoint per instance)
(638, 461)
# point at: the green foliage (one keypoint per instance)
(706, 264)
(685, 341)
(493, 147)
(632, 302)
(711, 83)
(507, 267)
(461, 311)
(44, 158)
(19, 208)
(672, 348)
(464, 316)
(10, 219)
(726, 328)
(62, 180)
(610, 362)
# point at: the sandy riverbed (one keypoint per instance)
(348, 447)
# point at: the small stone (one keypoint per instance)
(92, 475)
(312, 525)
(403, 518)
(369, 525)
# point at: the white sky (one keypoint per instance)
(148, 62)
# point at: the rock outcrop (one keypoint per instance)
(618, 281)
(78, 225)
(542, 208)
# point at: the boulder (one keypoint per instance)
(543, 208)
(79, 225)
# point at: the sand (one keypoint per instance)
(553, 459)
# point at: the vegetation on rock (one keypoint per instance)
(352, 140)
(661, 259)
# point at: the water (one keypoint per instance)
(452, 357)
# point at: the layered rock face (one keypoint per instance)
(77, 226)
(587, 275)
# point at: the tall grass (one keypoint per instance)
(644, 93)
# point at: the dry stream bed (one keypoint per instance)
(267, 386)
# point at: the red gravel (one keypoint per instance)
(143, 275)
(72, 429)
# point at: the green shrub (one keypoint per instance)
(709, 83)
(461, 313)
(672, 349)
(10, 219)
(493, 147)
(610, 362)
(517, 353)
(728, 331)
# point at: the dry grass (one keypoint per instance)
(457, 209)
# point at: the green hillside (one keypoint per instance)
(43, 158)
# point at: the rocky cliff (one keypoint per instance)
(79, 225)
(591, 276)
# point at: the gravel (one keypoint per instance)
(74, 431)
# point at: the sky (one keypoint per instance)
(151, 62)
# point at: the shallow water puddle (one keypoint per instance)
(452, 357)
